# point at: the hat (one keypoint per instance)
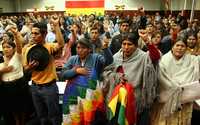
(85, 42)
(40, 54)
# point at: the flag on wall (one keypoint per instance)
(84, 6)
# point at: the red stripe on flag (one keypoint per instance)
(84, 4)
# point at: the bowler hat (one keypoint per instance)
(39, 53)
(86, 42)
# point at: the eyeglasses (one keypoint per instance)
(36, 33)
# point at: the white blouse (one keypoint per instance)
(17, 72)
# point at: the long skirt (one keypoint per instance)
(180, 117)
(15, 96)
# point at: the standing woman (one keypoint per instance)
(140, 69)
(6, 37)
(177, 68)
(81, 105)
(14, 89)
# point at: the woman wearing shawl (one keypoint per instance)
(140, 70)
(83, 99)
(177, 68)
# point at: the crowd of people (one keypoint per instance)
(109, 63)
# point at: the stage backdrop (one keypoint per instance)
(84, 7)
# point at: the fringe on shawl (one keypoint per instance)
(173, 104)
(171, 98)
(150, 85)
(110, 79)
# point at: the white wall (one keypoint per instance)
(40, 4)
(7, 5)
(150, 4)
(22, 5)
(179, 4)
(133, 4)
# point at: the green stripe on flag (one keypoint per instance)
(82, 91)
(92, 84)
(121, 117)
(72, 100)
(110, 114)
(66, 109)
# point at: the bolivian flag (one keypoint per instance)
(123, 95)
(84, 7)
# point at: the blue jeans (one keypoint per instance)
(46, 103)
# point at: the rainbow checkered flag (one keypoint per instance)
(82, 98)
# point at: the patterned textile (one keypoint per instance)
(82, 98)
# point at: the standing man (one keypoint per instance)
(116, 41)
(43, 72)
(95, 40)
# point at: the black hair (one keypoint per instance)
(181, 38)
(95, 28)
(10, 40)
(10, 35)
(125, 21)
(142, 23)
(132, 37)
(41, 26)
(191, 34)
(11, 43)
(157, 32)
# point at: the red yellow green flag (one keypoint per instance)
(123, 94)
(84, 7)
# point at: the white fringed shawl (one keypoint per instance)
(174, 73)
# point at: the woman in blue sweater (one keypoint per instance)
(83, 98)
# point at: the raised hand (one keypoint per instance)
(12, 28)
(55, 20)
(143, 34)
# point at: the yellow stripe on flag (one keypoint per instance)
(87, 105)
(126, 122)
(75, 118)
(122, 96)
(112, 104)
